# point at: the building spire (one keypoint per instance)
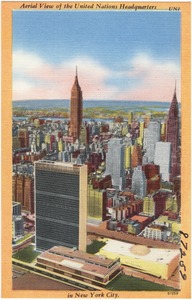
(174, 100)
(175, 87)
(76, 83)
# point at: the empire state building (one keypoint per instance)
(76, 108)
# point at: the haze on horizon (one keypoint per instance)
(120, 55)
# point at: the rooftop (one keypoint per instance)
(76, 259)
(15, 203)
(139, 218)
(77, 254)
(57, 166)
(163, 256)
(165, 219)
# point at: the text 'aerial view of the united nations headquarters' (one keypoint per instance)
(96, 152)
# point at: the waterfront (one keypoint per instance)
(125, 105)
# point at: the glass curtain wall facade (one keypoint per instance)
(58, 199)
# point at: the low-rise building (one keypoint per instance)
(142, 220)
(134, 227)
(157, 232)
(154, 204)
(175, 225)
(80, 265)
(155, 261)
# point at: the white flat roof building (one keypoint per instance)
(156, 261)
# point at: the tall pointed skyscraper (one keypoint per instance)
(173, 135)
(76, 108)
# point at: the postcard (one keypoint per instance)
(96, 149)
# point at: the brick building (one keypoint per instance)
(23, 191)
(153, 177)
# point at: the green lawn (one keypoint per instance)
(128, 283)
(27, 255)
(95, 247)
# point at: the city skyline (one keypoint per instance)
(131, 64)
(93, 181)
(120, 56)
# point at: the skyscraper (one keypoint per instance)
(163, 159)
(136, 158)
(23, 136)
(154, 204)
(139, 182)
(97, 199)
(76, 108)
(151, 136)
(115, 162)
(127, 157)
(173, 135)
(20, 188)
(28, 201)
(61, 205)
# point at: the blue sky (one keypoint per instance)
(120, 55)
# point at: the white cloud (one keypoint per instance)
(24, 62)
(22, 84)
(151, 79)
(154, 79)
(55, 81)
